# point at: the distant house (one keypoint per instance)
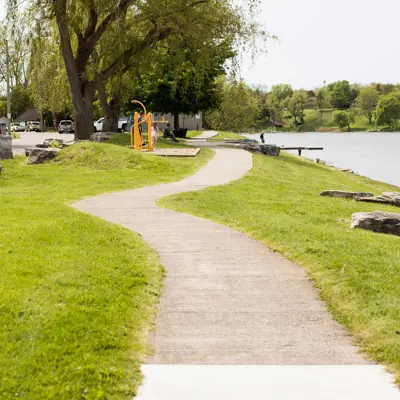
(191, 122)
(28, 115)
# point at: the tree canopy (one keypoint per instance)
(238, 109)
(367, 100)
(388, 110)
(100, 39)
(341, 95)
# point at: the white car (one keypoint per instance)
(122, 124)
(34, 126)
(66, 126)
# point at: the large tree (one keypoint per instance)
(238, 110)
(322, 102)
(341, 95)
(367, 100)
(344, 118)
(388, 110)
(132, 27)
(296, 105)
(178, 75)
(189, 86)
(277, 100)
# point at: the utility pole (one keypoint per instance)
(8, 89)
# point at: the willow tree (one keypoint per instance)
(177, 74)
(87, 26)
(48, 82)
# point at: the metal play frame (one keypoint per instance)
(136, 139)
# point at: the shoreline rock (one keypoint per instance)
(377, 221)
(102, 137)
(389, 198)
(254, 147)
(345, 195)
(40, 155)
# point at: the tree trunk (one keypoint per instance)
(176, 121)
(54, 116)
(111, 110)
(83, 107)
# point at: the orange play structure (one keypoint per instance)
(136, 138)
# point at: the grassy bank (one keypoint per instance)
(226, 135)
(357, 271)
(220, 137)
(77, 294)
(312, 123)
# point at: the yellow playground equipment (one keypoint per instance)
(136, 138)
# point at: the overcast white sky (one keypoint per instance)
(330, 40)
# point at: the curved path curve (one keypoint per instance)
(235, 319)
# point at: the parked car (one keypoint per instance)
(34, 126)
(66, 126)
(122, 124)
(19, 128)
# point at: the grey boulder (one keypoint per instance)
(39, 156)
(377, 221)
(252, 147)
(101, 137)
(390, 198)
(345, 195)
(6, 147)
(270, 150)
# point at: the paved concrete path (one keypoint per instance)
(207, 135)
(229, 301)
(31, 138)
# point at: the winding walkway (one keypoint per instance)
(236, 321)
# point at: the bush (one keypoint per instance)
(344, 118)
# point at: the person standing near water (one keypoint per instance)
(262, 138)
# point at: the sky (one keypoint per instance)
(328, 40)
(325, 40)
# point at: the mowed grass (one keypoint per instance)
(357, 271)
(226, 135)
(220, 137)
(77, 294)
(312, 118)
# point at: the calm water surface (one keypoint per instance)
(375, 155)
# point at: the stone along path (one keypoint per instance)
(236, 321)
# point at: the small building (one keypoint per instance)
(28, 115)
(190, 122)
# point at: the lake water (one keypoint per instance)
(375, 155)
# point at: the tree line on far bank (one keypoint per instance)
(338, 105)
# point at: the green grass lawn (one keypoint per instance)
(77, 294)
(312, 118)
(358, 272)
(124, 139)
(193, 134)
(220, 137)
(226, 135)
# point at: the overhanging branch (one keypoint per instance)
(154, 36)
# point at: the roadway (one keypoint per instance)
(31, 138)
